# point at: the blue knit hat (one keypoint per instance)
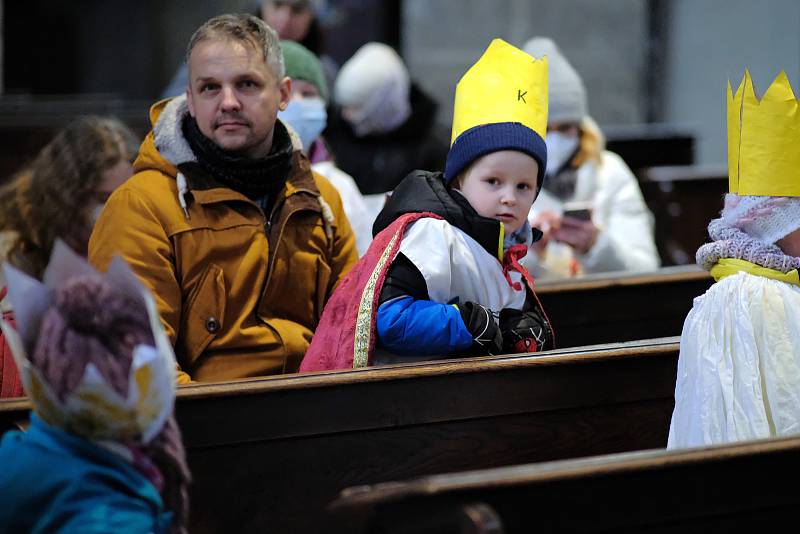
(500, 104)
(487, 138)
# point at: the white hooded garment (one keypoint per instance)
(739, 364)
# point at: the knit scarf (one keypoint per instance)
(730, 242)
(255, 178)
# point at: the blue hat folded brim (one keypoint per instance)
(487, 138)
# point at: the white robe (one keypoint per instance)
(739, 365)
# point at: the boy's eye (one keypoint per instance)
(524, 187)
(492, 181)
(247, 84)
(208, 87)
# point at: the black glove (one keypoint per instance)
(524, 331)
(480, 321)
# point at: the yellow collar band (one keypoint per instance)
(728, 266)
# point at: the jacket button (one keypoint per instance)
(212, 325)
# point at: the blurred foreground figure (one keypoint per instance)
(739, 366)
(591, 210)
(60, 196)
(103, 452)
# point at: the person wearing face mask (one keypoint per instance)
(383, 125)
(613, 229)
(59, 196)
(306, 114)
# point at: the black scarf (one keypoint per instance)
(257, 179)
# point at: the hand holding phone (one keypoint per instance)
(578, 210)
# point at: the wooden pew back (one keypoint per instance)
(615, 307)
(746, 487)
(270, 454)
(683, 199)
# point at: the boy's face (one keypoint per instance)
(501, 185)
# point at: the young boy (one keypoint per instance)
(442, 276)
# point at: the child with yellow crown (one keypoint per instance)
(442, 276)
(739, 366)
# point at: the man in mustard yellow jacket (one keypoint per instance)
(239, 241)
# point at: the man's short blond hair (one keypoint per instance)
(246, 29)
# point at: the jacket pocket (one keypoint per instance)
(203, 314)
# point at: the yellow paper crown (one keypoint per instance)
(504, 85)
(763, 159)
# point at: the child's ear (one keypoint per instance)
(457, 181)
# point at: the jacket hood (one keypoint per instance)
(423, 191)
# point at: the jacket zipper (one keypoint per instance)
(268, 227)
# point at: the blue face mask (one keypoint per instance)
(307, 117)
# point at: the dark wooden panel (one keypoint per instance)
(269, 454)
(649, 145)
(608, 308)
(748, 487)
(683, 200)
(28, 123)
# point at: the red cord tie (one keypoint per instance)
(511, 263)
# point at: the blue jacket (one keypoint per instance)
(51, 481)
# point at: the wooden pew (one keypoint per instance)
(271, 453)
(649, 145)
(746, 487)
(606, 308)
(683, 199)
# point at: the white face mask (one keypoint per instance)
(307, 117)
(560, 149)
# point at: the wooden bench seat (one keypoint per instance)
(746, 487)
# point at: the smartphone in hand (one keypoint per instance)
(578, 210)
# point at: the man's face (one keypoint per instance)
(234, 96)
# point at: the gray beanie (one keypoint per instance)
(567, 95)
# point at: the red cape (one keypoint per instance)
(345, 336)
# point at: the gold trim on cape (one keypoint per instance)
(365, 308)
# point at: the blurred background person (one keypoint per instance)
(384, 125)
(60, 196)
(307, 116)
(591, 209)
(293, 20)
